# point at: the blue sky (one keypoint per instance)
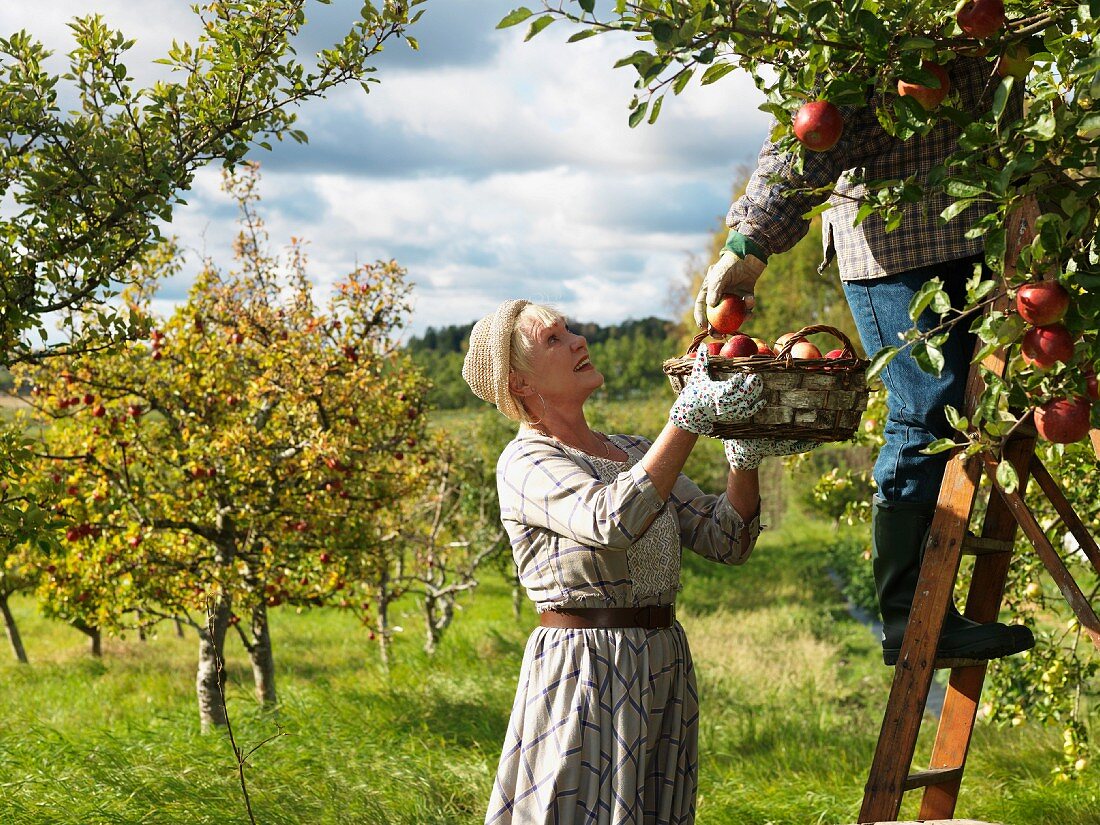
(490, 168)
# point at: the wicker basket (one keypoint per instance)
(820, 399)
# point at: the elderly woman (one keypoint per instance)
(605, 722)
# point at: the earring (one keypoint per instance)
(543, 400)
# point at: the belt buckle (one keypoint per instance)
(646, 618)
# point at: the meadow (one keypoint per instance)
(792, 691)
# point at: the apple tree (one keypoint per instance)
(813, 60)
(229, 458)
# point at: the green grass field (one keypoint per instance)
(792, 692)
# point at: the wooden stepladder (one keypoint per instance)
(992, 543)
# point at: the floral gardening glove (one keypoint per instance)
(747, 453)
(704, 401)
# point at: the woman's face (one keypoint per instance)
(560, 369)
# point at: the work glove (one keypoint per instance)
(703, 401)
(735, 272)
(747, 453)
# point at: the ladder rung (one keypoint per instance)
(948, 664)
(976, 546)
(932, 776)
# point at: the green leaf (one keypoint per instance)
(655, 109)
(923, 297)
(963, 189)
(584, 34)
(955, 418)
(883, 357)
(1007, 477)
(587, 5)
(1088, 125)
(637, 115)
(1043, 128)
(1000, 97)
(515, 17)
(913, 43)
(716, 72)
(955, 209)
(940, 445)
(538, 25)
(681, 81)
(929, 357)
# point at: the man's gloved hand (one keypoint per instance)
(735, 272)
(747, 453)
(704, 401)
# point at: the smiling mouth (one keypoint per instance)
(584, 363)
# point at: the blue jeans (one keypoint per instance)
(915, 398)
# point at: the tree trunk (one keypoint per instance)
(93, 634)
(13, 630)
(263, 661)
(210, 680)
(431, 639)
(384, 624)
(179, 627)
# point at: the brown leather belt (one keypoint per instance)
(651, 617)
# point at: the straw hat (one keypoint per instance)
(489, 358)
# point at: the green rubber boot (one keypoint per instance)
(899, 530)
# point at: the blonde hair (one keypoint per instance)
(523, 344)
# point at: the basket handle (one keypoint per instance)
(696, 341)
(849, 351)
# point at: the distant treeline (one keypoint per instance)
(629, 355)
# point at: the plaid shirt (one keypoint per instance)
(569, 530)
(866, 152)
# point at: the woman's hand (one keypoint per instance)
(704, 401)
(747, 453)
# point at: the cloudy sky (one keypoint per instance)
(489, 167)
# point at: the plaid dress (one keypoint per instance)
(604, 728)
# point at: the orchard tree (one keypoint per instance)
(433, 545)
(232, 457)
(87, 187)
(814, 61)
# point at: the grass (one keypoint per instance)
(792, 692)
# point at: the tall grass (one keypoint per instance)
(792, 692)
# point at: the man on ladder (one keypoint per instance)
(880, 273)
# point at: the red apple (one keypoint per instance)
(1015, 62)
(929, 98)
(727, 317)
(818, 125)
(782, 340)
(804, 349)
(99, 411)
(1090, 384)
(762, 347)
(237, 338)
(713, 347)
(1045, 346)
(739, 346)
(835, 353)
(981, 18)
(1063, 420)
(1042, 302)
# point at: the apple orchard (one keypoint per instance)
(254, 450)
(817, 62)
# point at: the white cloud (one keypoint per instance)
(504, 172)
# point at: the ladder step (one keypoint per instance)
(976, 546)
(950, 664)
(932, 776)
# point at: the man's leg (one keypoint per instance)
(909, 481)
